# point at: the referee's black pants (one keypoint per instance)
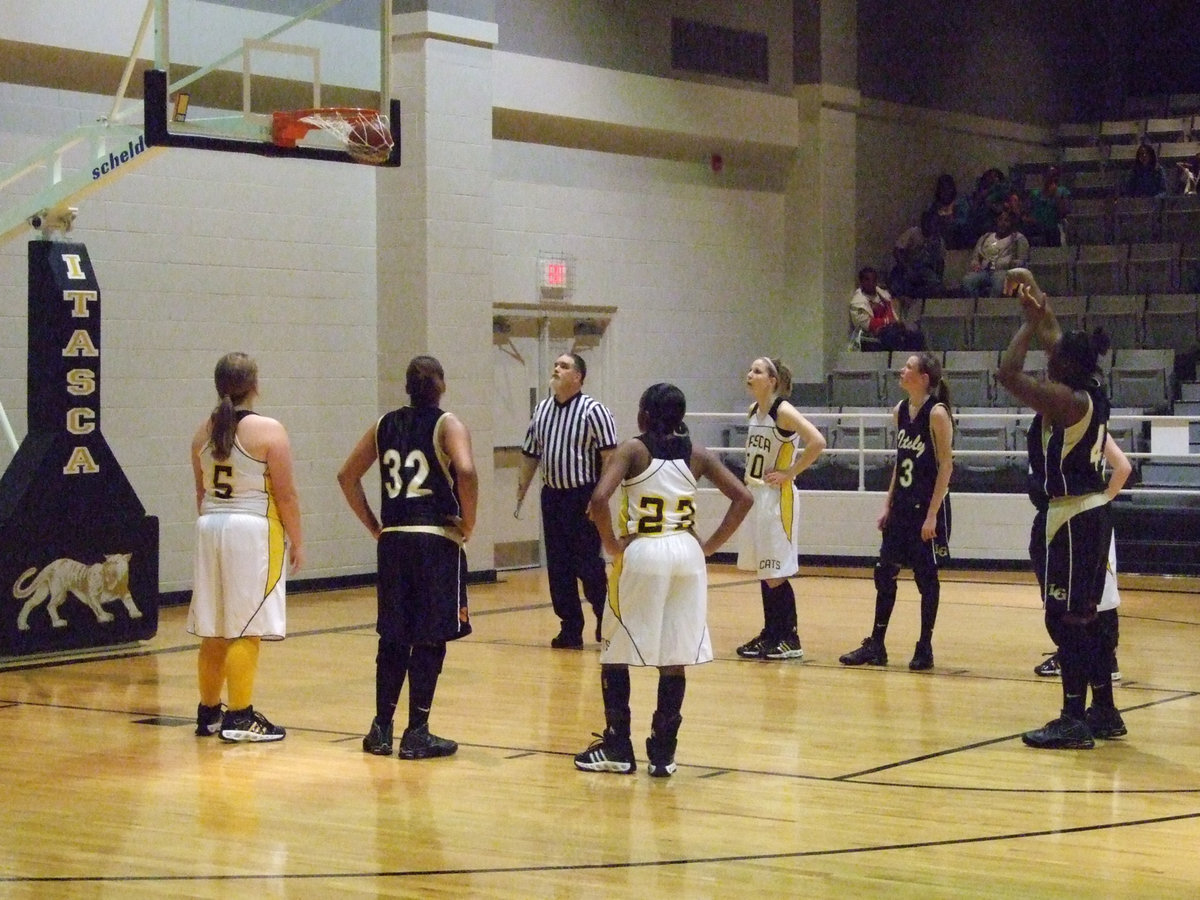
(572, 554)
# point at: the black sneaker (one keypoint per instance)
(246, 725)
(787, 648)
(1105, 724)
(607, 754)
(379, 739)
(753, 648)
(563, 641)
(1063, 733)
(922, 657)
(208, 719)
(871, 653)
(418, 743)
(661, 754)
(1049, 667)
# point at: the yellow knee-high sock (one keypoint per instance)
(241, 665)
(210, 668)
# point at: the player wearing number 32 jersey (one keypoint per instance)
(429, 493)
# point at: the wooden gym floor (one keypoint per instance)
(795, 778)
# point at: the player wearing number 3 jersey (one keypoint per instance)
(429, 492)
(916, 515)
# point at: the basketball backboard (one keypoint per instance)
(222, 68)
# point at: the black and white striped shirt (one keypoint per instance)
(567, 438)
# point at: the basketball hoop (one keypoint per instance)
(365, 133)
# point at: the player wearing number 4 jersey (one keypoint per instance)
(916, 515)
(429, 492)
(780, 444)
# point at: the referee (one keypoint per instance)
(569, 438)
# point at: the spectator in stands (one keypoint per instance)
(983, 207)
(994, 254)
(1189, 174)
(1146, 178)
(920, 255)
(875, 321)
(1049, 206)
(951, 212)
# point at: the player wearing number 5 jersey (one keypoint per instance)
(249, 523)
(780, 444)
(916, 515)
(657, 599)
(430, 491)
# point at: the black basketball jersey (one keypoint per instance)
(1068, 462)
(916, 458)
(417, 478)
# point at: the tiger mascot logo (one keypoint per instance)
(95, 585)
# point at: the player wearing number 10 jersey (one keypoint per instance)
(780, 444)
(429, 496)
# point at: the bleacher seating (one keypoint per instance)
(994, 430)
(1173, 128)
(1101, 184)
(946, 322)
(1183, 104)
(1135, 219)
(876, 434)
(971, 375)
(1100, 269)
(1152, 268)
(996, 320)
(1122, 131)
(857, 379)
(1142, 379)
(1181, 217)
(1090, 221)
(1069, 311)
(1120, 315)
(1052, 268)
(1171, 321)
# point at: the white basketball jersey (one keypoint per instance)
(660, 500)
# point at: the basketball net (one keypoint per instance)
(365, 133)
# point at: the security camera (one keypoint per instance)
(53, 220)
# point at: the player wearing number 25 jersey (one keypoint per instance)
(429, 492)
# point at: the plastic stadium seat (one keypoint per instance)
(1120, 315)
(971, 376)
(1142, 379)
(1171, 322)
(1052, 267)
(1090, 221)
(857, 379)
(1181, 218)
(946, 322)
(1152, 268)
(1135, 219)
(996, 321)
(1100, 269)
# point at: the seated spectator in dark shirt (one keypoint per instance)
(1146, 178)
(875, 322)
(920, 255)
(951, 212)
(1049, 206)
(991, 190)
(994, 254)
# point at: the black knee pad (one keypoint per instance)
(885, 576)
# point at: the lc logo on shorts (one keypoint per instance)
(1054, 592)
